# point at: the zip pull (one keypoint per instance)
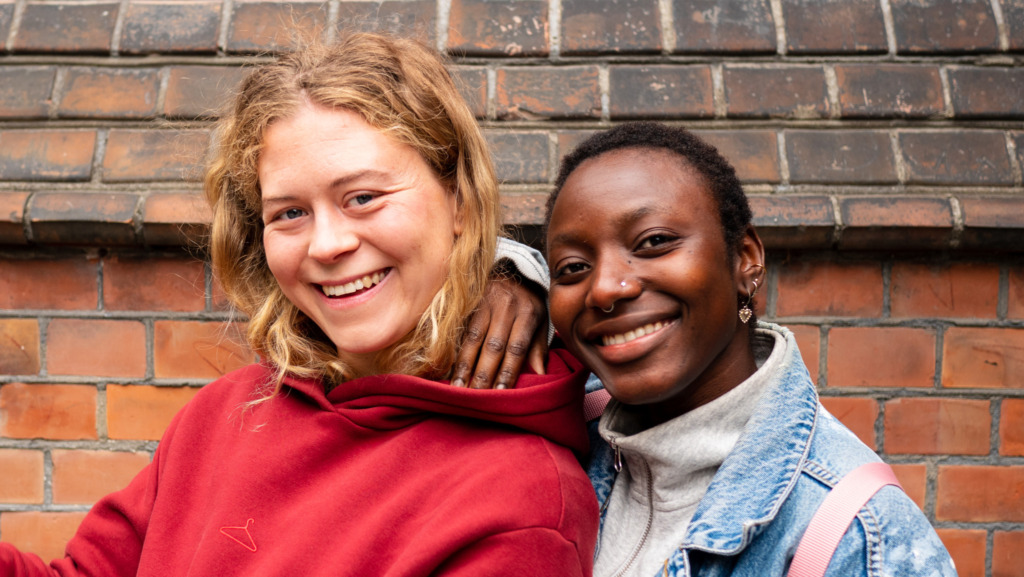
(618, 455)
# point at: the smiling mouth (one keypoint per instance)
(632, 335)
(356, 285)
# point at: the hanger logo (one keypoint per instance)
(241, 535)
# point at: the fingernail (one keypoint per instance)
(501, 386)
(459, 382)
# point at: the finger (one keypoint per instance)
(516, 352)
(493, 350)
(465, 361)
(538, 354)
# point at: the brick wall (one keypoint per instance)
(881, 141)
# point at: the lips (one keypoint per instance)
(355, 286)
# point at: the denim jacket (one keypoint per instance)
(791, 453)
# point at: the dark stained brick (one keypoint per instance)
(548, 92)
(175, 219)
(170, 27)
(50, 155)
(499, 28)
(794, 221)
(616, 26)
(66, 27)
(83, 218)
(1013, 15)
(416, 18)
(520, 157)
(968, 157)
(830, 27)
(944, 26)
(889, 90)
(753, 153)
(776, 92)
(12, 214)
(109, 93)
(848, 156)
(715, 26)
(987, 92)
(141, 155)
(6, 17)
(200, 91)
(660, 91)
(269, 26)
(1018, 143)
(875, 222)
(992, 222)
(523, 208)
(568, 140)
(472, 85)
(25, 91)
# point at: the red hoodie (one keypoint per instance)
(387, 475)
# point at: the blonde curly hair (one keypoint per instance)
(402, 88)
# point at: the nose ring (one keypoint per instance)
(609, 309)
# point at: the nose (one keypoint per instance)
(333, 236)
(611, 283)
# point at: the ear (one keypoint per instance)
(750, 265)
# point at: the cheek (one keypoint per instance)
(564, 307)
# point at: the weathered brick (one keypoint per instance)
(498, 28)
(826, 26)
(753, 153)
(153, 284)
(775, 92)
(703, 26)
(1011, 428)
(980, 494)
(548, 92)
(12, 216)
(523, 209)
(25, 91)
(1013, 17)
(200, 91)
(944, 26)
(1015, 304)
(889, 90)
(135, 155)
(109, 93)
(71, 348)
(520, 156)
(976, 157)
(19, 347)
(660, 92)
(155, 26)
(930, 426)
(621, 27)
(991, 222)
(197, 350)
(472, 85)
(570, 139)
(22, 481)
(83, 477)
(793, 221)
(858, 414)
(6, 17)
(847, 156)
(62, 284)
(56, 412)
(79, 218)
(1006, 548)
(987, 92)
(46, 154)
(874, 222)
(808, 339)
(881, 357)
(830, 289)
(983, 357)
(957, 290)
(914, 480)
(967, 548)
(141, 412)
(258, 26)
(66, 27)
(175, 219)
(410, 18)
(40, 532)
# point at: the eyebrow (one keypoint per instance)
(336, 183)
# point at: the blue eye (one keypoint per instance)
(361, 199)
(292, 213)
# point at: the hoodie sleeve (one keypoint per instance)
(535, 551)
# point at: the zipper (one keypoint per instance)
(650, 509)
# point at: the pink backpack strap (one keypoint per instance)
(834, 516)
(594, 403)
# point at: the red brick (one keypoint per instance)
(136, 155)
(1015, 305)
(775, 92)
(258, 26)
(624, 27)
(39, 532)
(200, 91)
(547, 92)
(753, 153)
(64, 284)
(12, 216)
(498, 28)
(108, 348)
(197, 350)
(22, 481)
(25, 91)
(19, 347)
(66, 27)
(808, 339)
(660, 92)
(987, 92)
(983, 357)
(980, 494)
(824, 26)
(83, 477)
(992, 222)
(835, 157)
(958, 290)
(967, 548)
(969, 157)
(58, 412)
(944, 26)
(704, 26)
(890, 222)
(1011, 428)
(914, 480)
(176, 219)
(46, 154)
(881, 357)
(91, 219)
(109, 93)
(408, 18)
(889, 90)
(140, 412)
(153, 284)
(472, 85)
(858, 414)
(520, 156)
(928, 426)
(523, 208)
(1006, 549)
(809, 288)
(154, 26)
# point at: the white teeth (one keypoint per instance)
(632, 335)
(356, 285)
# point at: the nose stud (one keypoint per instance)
(622, 284)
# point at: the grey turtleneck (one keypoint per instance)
(666, 471)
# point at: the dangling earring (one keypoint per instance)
(745, 312)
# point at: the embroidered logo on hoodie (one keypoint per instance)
(241, 535)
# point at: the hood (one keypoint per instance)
(549, 405)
